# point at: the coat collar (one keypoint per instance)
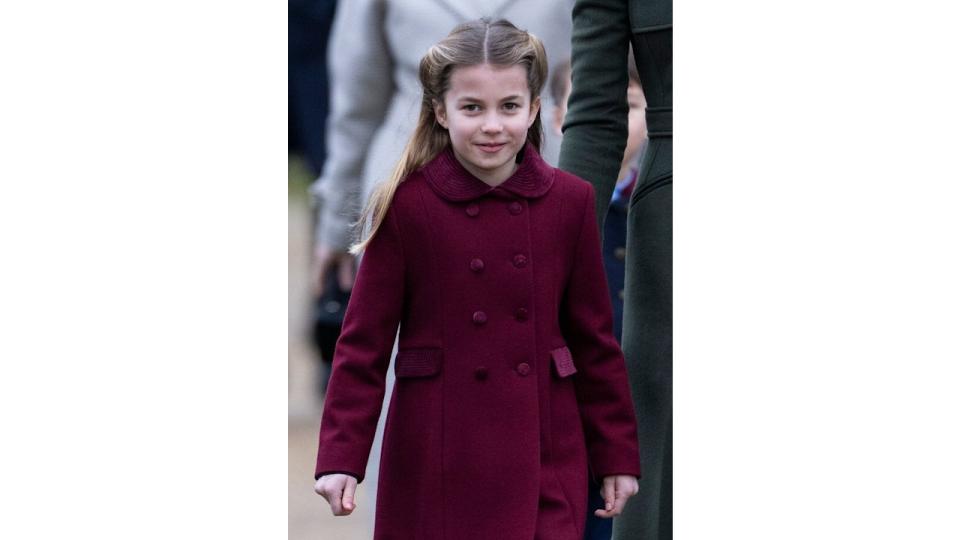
(450, 180)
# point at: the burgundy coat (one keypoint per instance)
(509, 381)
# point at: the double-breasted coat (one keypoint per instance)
(510, 384)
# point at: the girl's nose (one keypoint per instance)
(492, 125)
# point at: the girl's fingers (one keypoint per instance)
(608, 491)
(348, 495)
(331, 492)
(334, 498)
(626, 487)
(619, 502)
(617, 497)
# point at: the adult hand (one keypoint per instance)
(327, 260)
(615, 491)
(338, 490)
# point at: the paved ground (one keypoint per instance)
(309, 515)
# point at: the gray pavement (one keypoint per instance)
(309, 516)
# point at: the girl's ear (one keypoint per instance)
(440, 112)
(534, 109)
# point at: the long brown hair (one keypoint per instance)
(483, 41)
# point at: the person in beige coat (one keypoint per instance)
(374, 51)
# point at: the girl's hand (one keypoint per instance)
(338, 490)
(615, 491)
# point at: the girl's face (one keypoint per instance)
(487, 111)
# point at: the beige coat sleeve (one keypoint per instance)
(361, 67)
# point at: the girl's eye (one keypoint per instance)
(471, 108)
(511, 106)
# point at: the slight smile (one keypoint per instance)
(491, 148)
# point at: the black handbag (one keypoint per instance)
(328, 311)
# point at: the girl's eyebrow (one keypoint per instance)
(478, 100)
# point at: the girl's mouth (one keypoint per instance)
(491, 148)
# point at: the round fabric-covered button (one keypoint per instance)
(473, 209)
(523, 369)
(476, 265)
(479, 317)
(515, 208)
(519, 260)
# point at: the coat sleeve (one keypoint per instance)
(361, 75)
(602, 387)
(595, 128)
(362, 355)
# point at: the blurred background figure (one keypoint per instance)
(374, 52)
(309, 26)
(308, 30)
(595, 135)
(615, 224)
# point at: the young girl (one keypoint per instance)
(511, 388)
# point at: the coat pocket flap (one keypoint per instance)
(418, 362)
(563, 362)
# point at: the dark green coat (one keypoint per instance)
(595, 134)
